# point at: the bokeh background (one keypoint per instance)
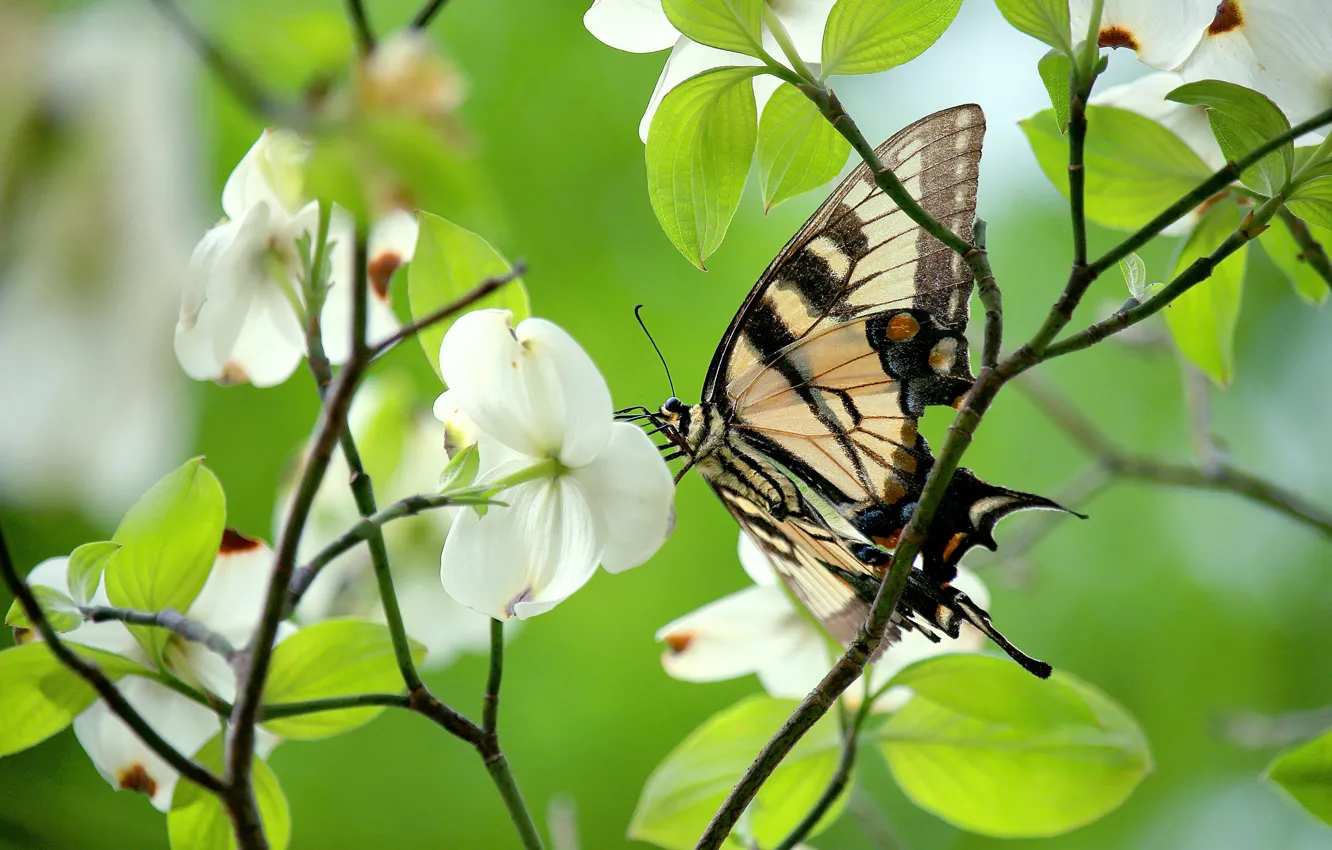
(1187, 607)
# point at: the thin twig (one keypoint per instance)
(1311, 250)
(427, 13)
(279, 710)
(872, 821)
(365, 36)
(170, 619)
(235, 78)
(990, 297)
(1221, 476)
(839, 781)
(101, 683)
(490, 705)
(480, 291)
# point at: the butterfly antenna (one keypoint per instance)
(670, 381)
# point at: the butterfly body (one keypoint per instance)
(807, 427)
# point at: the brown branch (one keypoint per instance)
(1311, 250)
(452, 308)
(365, 36)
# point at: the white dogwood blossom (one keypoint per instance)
(230, 604)
(241, 315)
(640, 26)
(582, 490)
(759, 630)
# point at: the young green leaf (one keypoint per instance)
(735, 25)
(168, 541)
(332, 659)
(448, 263)
(1203, 319)
(992, 749)
(197, 820)
(1054, 69)
(1285, 253)
(1312, 201)
(797, 149)
(1305, 773)
(86, 565)
(1242, 120)
(60, 611)
(1045, 20)
(1135, 167)
(1134, 271)
(461, 470)
(1304, 159)
(698, 152)
(685, 790)
(868, 36)
(40, 696)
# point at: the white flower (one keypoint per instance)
(759, 630)
(240, 313)
(1277, 47)
(96, 242)
(593, 491)
(229, 604)
(640, 26)
(406, 74)
(404, 454)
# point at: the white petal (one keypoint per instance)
(1279, 47)
(271, 343)
(687, 59)
(221, 284)
(392, 243)
(804, 21)
(231, 601)
(336, 319)
(800, 664)
(531, 387)
(631, 491)
(755, 563)
(460, 432)
(119, 755)
(1162, 33)
(110, 636)
(738, 634)
(269, 173)
(522, 559)
(637, 26)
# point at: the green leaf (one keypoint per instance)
(197, 820)
(1284, 252)
(1135, 167)
(1054, 69)
(1242, 120)
(461, 470)
(60, 611)
(685, 790)
(332, 659)
(40, 696)
(86, 565)
(1044, 20)
(1134, 271)
(992, 749)
(797, 149)
(1302, 157)
(1305, 772)
(169, 541)
(449, 262)
(867, 36)
(1203, 319)
(735, 25)
(1312, 201)
(698, 152)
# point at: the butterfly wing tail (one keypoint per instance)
(946, 608)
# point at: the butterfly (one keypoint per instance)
(807, 428)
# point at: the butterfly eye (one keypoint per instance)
(673, 407)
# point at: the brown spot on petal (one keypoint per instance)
(232, 373)
(381, 271)
(233, 541)
(1227, 18)
(136, 778)
(1116, 37)
(678, 642)
(24, 635)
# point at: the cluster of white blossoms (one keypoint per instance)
(242, 316)
(760, 630)
(229, 604)
(581, 489)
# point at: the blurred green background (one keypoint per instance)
(1183, 606)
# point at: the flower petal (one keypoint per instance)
(269, 173)
(460, 432)
(523, 559)
(124, 760)
(636, 26)
(804, 21)
(231, 601)
(271, 344)
(218, 290)
(688, 59)
(336, 318)
(631, 491)
(755, 563)
(109, 636)
(392, 243)
(1162, 34)
(531, 387)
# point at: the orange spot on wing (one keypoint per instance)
(889, 542)
(1228, 17)
(953, 543)
(902, 327)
